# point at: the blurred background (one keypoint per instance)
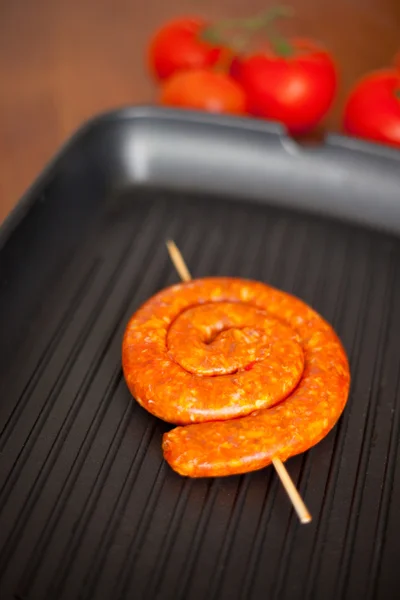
(62, 62)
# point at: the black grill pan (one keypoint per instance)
(88, 508)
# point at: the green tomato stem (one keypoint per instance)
(237, 33)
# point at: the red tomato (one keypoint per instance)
(178, 46)
(296, 90)
(372, 110)
(203, 89)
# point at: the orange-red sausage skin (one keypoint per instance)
(249, 372)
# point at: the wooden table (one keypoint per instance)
(62, 62)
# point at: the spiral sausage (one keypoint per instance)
(251, 373)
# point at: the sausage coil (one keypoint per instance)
(248, 373)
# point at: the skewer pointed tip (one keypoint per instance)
(177, 261)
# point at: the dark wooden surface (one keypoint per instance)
(62, 62)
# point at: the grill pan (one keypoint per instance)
(88, 508)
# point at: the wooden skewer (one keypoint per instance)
(290, 488)
(292, 492)
(178, 262)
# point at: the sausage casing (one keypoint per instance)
(248, 372)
